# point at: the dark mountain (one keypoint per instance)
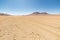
(44, 13)
(35, 13)
(3, 14)
(38, 13)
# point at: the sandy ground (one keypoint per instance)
(30, 27)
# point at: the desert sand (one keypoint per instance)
(30, 27)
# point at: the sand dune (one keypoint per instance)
(30, 27)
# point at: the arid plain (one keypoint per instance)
(43, 27)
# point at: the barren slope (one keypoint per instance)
(30, 27)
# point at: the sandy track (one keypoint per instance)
(29, 27)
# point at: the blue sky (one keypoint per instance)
(20, 7)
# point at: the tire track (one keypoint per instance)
(42, 27)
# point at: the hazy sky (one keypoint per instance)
(19, 7)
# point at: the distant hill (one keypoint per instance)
(38, 13)
(3, 14)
